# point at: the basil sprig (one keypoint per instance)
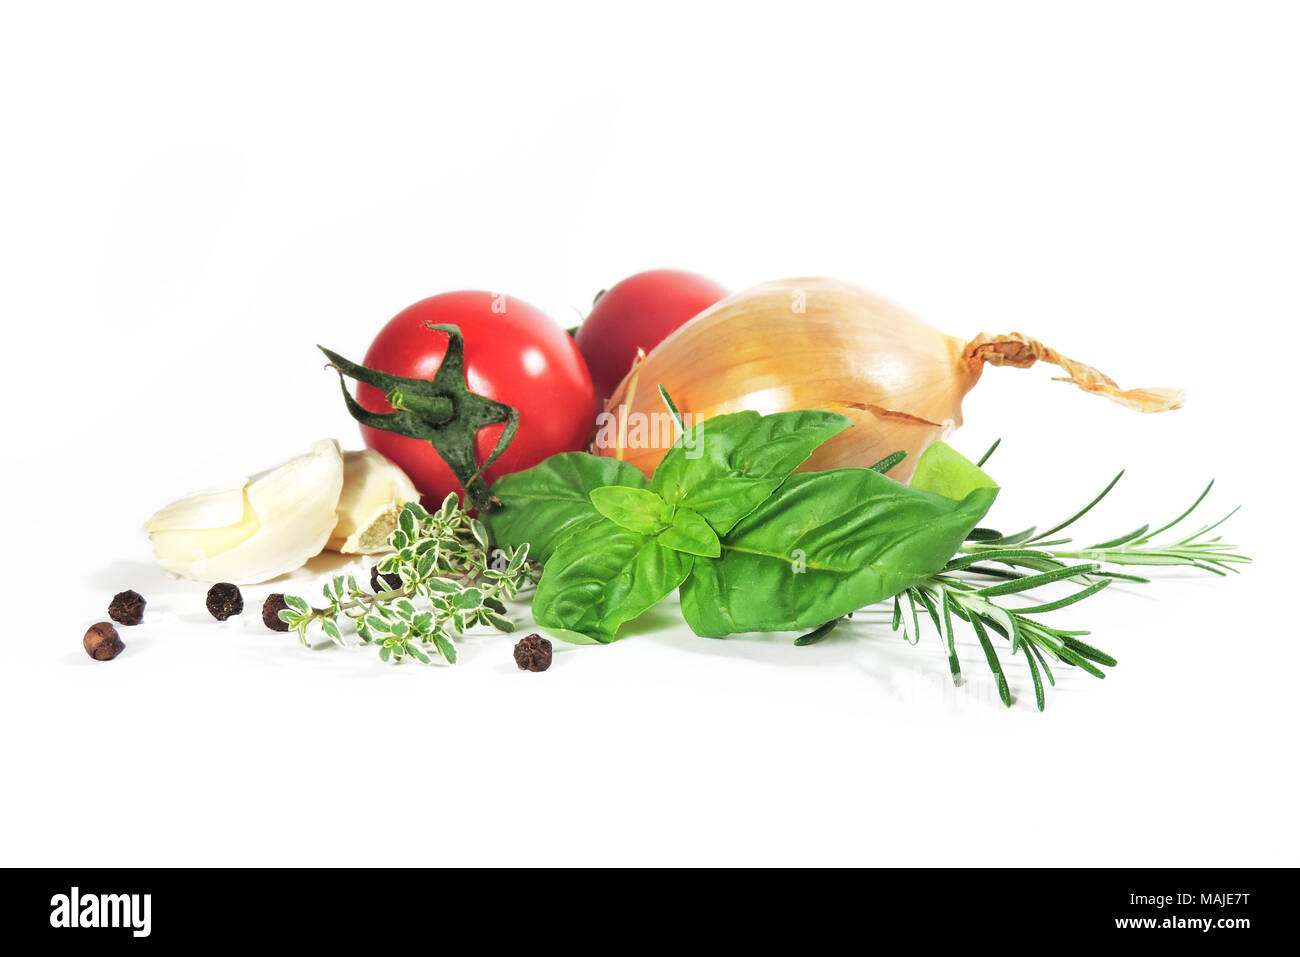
(552, 500)
(752, 546)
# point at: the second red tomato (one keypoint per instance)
(639, 313)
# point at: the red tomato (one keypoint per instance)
(639, 313)
(514, 354)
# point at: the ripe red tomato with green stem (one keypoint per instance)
(639, 313)
(513, 353)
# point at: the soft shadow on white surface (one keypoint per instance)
(887, 663)
(113, 577)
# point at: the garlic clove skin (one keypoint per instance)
(374, 491)
(271, 525)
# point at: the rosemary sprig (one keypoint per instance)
(451, 580)
(1134, 548)
(946, 595)
(1028, 560)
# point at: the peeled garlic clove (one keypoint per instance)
(211, 509)
(374, 491)
(270, 525)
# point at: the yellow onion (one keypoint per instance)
(825, 344)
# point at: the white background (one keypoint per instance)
(193, 195)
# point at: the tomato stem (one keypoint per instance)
(436, 410)
(441, 411)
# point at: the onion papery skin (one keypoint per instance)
(800, 344)
(816, 343)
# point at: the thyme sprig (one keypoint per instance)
(452, 579)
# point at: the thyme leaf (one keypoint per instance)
(452, 579)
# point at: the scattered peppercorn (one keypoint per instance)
(224, 600)
(271, 609)
(533, 653)
(391, 581)
(102, 642)
(127, 608)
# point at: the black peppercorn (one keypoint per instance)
(533, 653)
(127, 608)
(224, 600)
(102, 642)
(271, 609)
(390, 582)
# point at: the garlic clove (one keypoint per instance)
(209, 509)
(271, 525)
(374, 491)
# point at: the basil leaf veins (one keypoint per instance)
(752, 546)
(826, 544)
(546, 503)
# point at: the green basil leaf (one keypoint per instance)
(826, 544)
(725, 466)
(540, 506)
(636, 509)
(602, 576)
(943, 470)
(690, 533)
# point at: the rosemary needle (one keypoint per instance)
(1028, 560)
